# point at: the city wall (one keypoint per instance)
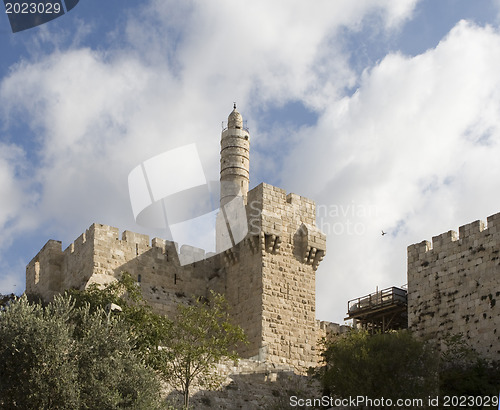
(268, 278)
(454, 286)
(100, 256)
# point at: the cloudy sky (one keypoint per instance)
(386, 113)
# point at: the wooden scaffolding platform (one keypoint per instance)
(380, 311)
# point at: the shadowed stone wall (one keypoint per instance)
(268, 278)
(454, 286)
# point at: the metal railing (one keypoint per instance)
(389, 296)
(245, 126)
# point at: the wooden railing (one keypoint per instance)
(389, 296)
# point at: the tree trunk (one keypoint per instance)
(186, 397)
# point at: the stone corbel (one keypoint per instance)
(253, 242)
(310, 245)
(271, 228)
(230, 256)
(273, 243)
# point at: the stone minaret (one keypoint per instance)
(234, 159)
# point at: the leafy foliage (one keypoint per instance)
(463, 372)
(396, 365)
(36, 360)
(68, 357)
(184, 350)
(201, 335)
(6, 299)
(146, 329)
(390, 365)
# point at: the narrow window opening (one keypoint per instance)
(139, 278)
(137, 249)
(175, 278)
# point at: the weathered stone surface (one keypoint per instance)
(268, 276)
(267, 280)
(251, 384)
(454, 286)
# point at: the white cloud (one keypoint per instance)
(15, 197)
(10, 194)
(99, 114)
(15, 193)
(418, 142)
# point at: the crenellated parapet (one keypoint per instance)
(276, 217)
(450, 242)
(268, 276)
(454, 285)
(267, 251)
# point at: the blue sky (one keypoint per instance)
(384, 112)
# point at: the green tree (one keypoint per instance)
(146, 329)
(36, 364)
(463, 372)
(70, 358)
(184, 350)
(201, 335)
(6, 299)
(111, 375)
(389, 365)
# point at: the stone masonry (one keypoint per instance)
(268, 277)
(454, 286)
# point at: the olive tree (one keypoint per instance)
(390, 365)
(66, 357)
(201, 335)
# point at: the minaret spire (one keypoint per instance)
(234, 159)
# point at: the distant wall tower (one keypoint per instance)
(234, 159)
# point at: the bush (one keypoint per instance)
(70, 358)
(463, 372)
(390, 365)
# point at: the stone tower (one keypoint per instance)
(231, 225)
(234, 160)
(268, 250)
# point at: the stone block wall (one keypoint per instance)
(44, 273)
(243, 267)
(276, 221)
(454, 286)
(268, 278)
(100, 256)
(78, 261)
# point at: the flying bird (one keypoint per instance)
(383, 233)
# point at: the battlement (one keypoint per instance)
(100, 234)
(51, 247)
(267, 206)
(476, 231)
(265, 196)
(453, 284)
(49, 258)
(266, 272)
